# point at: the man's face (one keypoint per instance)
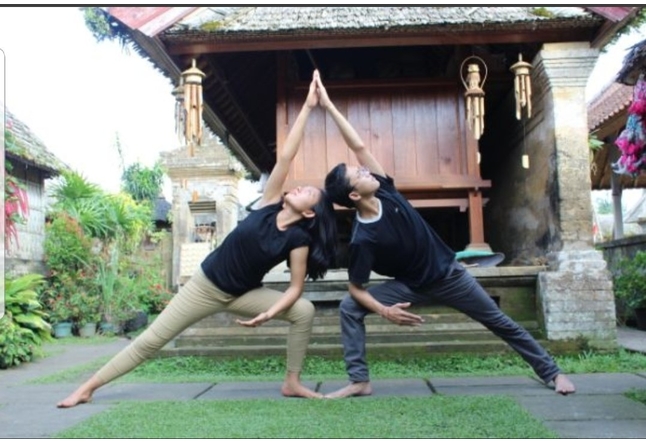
(361, 180)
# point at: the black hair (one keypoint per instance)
(338, 187)
(322, 230)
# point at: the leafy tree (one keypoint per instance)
(635, 23)
(143, 183)
(105, 27)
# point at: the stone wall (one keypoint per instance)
(28, 255)
(210, 174)
(576, 292)
(543, 214)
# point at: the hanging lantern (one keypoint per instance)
(193, 106)
(474, 95)
(522, 86)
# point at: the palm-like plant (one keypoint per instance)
(101, 215)
(24, 327)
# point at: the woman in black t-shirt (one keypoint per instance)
(298, 226)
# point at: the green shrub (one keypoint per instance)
(24, 327)
(630, 282)
(67, 248)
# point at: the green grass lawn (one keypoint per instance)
(204, 369)
(435, 416)
(637, 395)
(379, 418)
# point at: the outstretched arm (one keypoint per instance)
(274, 185)
(394, 313)
(298, 269)
(351, 137)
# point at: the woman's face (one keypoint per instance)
(303, 198)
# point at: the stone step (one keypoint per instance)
(432, 317)
(374, 337)
(389, 332)
(332, 350)
(333, 327)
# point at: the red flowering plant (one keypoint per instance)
(16, 207)
(70, 296)
(55, 298)
(85, 306)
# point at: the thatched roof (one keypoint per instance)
(23, 146)
(272, 20)
(238, 48)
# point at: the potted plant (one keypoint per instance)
(60, 315)
(630, 287)
(85, 307)
(58, 308)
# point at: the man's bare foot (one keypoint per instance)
(298, 390)
(74, 399)
(353, 389)
(563, 385)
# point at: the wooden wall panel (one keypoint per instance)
(381, 128)
(405, 139)
(447, 130)
(313, 148)
(417, 133)
(336, 149)
(426, 123)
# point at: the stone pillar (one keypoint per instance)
(575, 292)
(211, 174)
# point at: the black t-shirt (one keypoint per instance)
(398, 243)
(251, 250)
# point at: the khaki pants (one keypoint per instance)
(200, 298)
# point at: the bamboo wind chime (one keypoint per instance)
(474, 95)
(189, 107)
(522, 86)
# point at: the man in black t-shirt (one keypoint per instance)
(391, 238)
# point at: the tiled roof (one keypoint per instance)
(613, 99)
(23, 145)
(290, 19)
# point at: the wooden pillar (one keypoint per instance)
(476, 219)
(476, 223)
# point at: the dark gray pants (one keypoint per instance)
(459, 290)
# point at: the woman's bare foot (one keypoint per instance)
(76, 398)
(563, 385)
(81, 395)
(353, 389)
(298, 390)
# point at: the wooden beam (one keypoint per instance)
(237, 108)
(322, 41)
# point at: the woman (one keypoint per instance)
(298, 226)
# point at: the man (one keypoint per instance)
(391, 238)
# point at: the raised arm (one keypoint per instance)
(276, 180)
(350, 135)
